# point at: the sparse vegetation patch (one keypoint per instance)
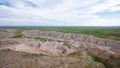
(43, 39)
(18, 34)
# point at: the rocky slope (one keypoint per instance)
(85, 41)
(75, 37)
(5, 33)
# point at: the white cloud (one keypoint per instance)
(58, 12)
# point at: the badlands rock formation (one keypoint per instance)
(81, 42)
(4, 33)
(75, 37)
(105, 51)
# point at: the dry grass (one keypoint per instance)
(12, 59)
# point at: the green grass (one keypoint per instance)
(110, 33)
(102, 32)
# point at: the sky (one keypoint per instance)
(59, 12)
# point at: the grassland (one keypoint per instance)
(102, 32)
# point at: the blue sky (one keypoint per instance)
(59, 12)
